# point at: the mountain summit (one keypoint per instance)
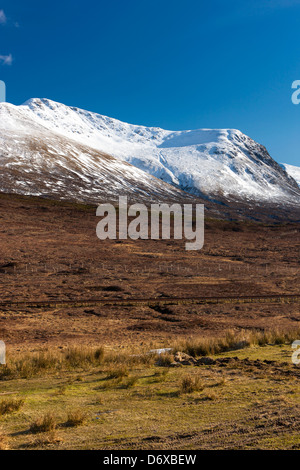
(77, 153)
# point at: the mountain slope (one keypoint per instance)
(214, 164)
(37, 161)
(293, 171)
(53, 150)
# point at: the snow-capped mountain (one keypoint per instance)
(293, 171)
(204, 162)
(35, 160)
(49, 148)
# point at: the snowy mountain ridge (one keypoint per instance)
(39, 162)
(216, 165)
(293, 171)
(204, 162)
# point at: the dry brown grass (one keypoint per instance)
(10, 405)
(76, 418)
(117, 372)
(45, 423)
(47, 362)
(165, 360)
(210, 395)
(187, 397)
(117, 364)
(4, 441)
(84, 356)
(234, 340)
(161, 375)
(190, 384)
(130, 382)
(50, 439)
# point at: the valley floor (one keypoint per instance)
(49, 252)
(237, 403)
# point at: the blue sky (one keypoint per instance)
(174, 64)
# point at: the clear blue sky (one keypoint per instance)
(175, 64)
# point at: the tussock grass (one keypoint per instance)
(129, 358)
(106, 415)
(10, 405)
(213, 346)
(117, 372)
(190, 384)
(233, 340)
(165, 360)
(45, 362)
(83, 356)
(48, 440)
(130, 382)
(118, 363)
(45, 423)
(28, 365)
(76, 418)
